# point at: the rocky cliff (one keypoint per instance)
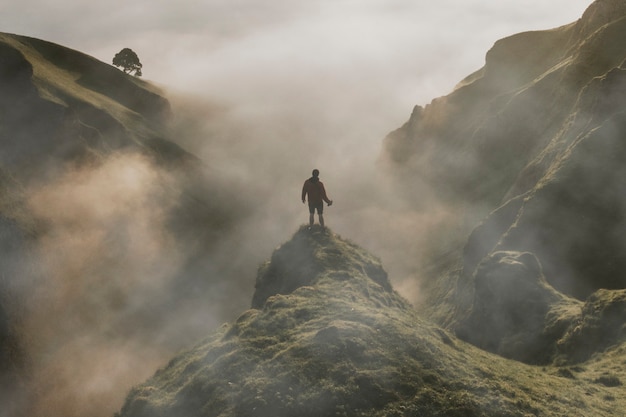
(532, 143)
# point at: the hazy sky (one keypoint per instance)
(411, 51)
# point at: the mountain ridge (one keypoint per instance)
(526, 138)
(343, 344)
(527, 89)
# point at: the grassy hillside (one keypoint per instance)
(101, 252)
(343, 343)
(64, 104)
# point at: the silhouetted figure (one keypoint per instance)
(314, 189)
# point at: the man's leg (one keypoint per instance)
(311, 213)
(321, 220)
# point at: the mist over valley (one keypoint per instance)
(155, 263)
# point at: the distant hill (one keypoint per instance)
(329, 337)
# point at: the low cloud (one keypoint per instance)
(102, 258)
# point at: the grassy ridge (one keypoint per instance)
(344, 345)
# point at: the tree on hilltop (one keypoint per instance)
(129, 61)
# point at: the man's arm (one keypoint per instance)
(304, 192)
(324, 196)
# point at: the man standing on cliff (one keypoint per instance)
(314, 189)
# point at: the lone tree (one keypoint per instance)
(129, 61)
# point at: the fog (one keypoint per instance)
(262, 95)
(408, 52)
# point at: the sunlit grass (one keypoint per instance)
(60, 86)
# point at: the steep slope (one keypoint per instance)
(532, 145)
(329, 336)
(63, 104)
(473, 143)
(100, 249)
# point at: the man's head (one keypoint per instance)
(316, 173)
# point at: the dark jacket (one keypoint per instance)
(314, 189)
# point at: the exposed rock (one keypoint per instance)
(486, 236)
(512, 301)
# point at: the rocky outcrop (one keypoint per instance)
(300, 261)
(599, 326)
(515, 312)
(340, 342)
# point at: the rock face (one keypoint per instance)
(516, 313)
(511, 302)
(532, 143)
(340, 342)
